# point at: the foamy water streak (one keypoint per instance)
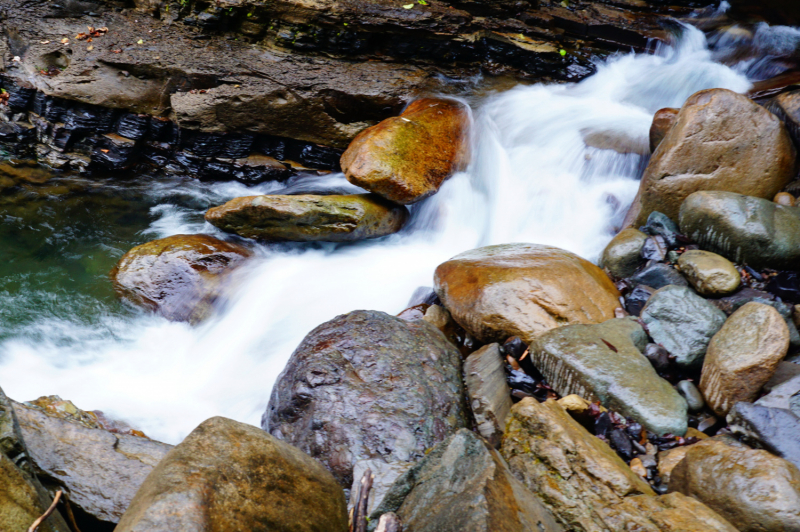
(533, 179)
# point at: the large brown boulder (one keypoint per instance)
(721, 140)
(230, 476)
(308, 218)
(752, 488)
(523, 290)
(180, 277)
(408, 157)
(367, 385)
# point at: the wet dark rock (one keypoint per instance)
(315, 156)
(658, 356)
(464, 484)
(694, 399)
(133, 126)
(659, 275)
(182, 276)
(682, 322)
(519, 380)
(785, 285)
(786, 396)
(659, 224)
(114, 152)
(637, 298)
(621, 443)
(90, 118)
(654, 248)
(99, 469)
(338, 397)
(623, 255)
(231, 476)
(774, 429)
(487, 391)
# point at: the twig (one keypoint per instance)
(70, 515)
(44, 516)
(359, 523)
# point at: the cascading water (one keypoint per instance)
(533, 179)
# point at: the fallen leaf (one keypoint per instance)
(408, 6)
(64, 41)
(89, 48)
(16, 59)
(104, 151)
(44, 42)
(140, 41)
(562, 52)
(422, 2)
(610, 346)
(116, 51)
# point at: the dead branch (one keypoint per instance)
(45, 515)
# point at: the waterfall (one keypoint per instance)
(541, 172)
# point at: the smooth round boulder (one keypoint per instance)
(663, 121)
(744, 229)
(743, 356)
(407, 158)
(180, 277)
(367, 385)
(523, 290)
(622, 256)
(721, 140)
(708, 273)
(309, 218)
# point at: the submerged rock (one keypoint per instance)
(744, 229)
(682, 322)
(367, 385)
(742, 356)
(464, 484)
(622, 256)
(488, 392)
(309, 218)
(523, 290)
(230, 476)
(752, 488)
(180, 277)
(709, 273)
(721, 140)
(407, 158)
(99, 469)
(604, 363)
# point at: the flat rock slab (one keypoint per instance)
(464, 485)
(523, 290)
(682, 322)
(100, 470)
(605, 363)
(774, 429)
(367, 385)
(230, 476)
(489, 395)
(309, 218)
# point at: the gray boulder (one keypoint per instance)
(488, 392)
(367, 385)
(774, 429)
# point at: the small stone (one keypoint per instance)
(682, 322)
(692, 395)
(638, 467)
(576, 405)
(658, 356)
(659, 275)
(384, 476)
(784, 198)
(743, 355)
(637, 299)
(654, 248)
(710, 274)
(659, 224)
(489, 395)
(622, 256)
(692, 432)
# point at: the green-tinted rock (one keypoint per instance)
(682, 322)
(622, 256)
(710, 274)
(577, 359)
(230, 476)
(743, 228)
(464, 485)
(307, 218)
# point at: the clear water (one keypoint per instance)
(533, 179)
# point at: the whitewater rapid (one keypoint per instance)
(532, 179)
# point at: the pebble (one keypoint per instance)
(692, 395)
(784, 198)
(708, 273)
(638, 468)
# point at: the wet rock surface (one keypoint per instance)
(100, 470)
(774, 429)
(742, 356)
(367, 385)
(682, 322)
(604, 363)
(622, 256)
(744, 228)
(230, 476)
(488, 393)
(752, 488)
(721, 140)
(309, 218)
(464, 484)
(663, 121)
(407, 158)
(180, 276)
(708, 273)
(523, 290)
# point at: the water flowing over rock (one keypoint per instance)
(230, 476)
(523, 290)
(584, 483)
(309, 218)
(464, 484)
(368, 385)
(709, 273)
(742, 356)
(720, 141)
(407, 158)
(752, 488)
(100, 470)
(745, 229)
(682, 322)
(622, 256)
(488, 392)
(180, 276)
(604, 363)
